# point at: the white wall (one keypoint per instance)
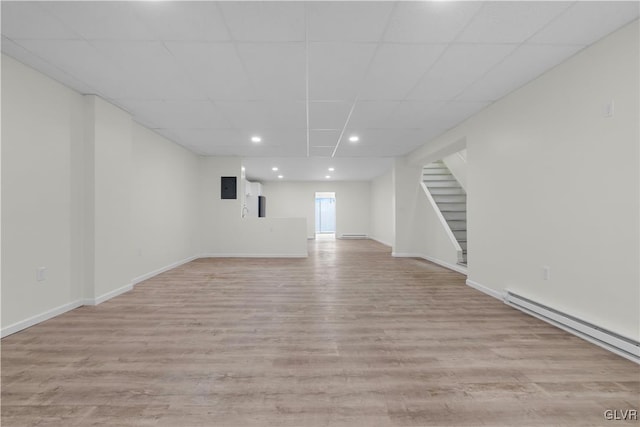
(67, 188)
(383, 208)
(552, 182)
(418, 231)
(296, 199)
(110, 202)
(165, 202)
(457, 164)
(41, 128)
(226, 233)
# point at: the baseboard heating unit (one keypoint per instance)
(354, 236)
(611, 341)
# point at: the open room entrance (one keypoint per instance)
(325, 215)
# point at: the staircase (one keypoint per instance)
(451, 199)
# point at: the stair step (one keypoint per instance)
(455, 216)
(452, 207)
(457, 224)
(463, 245)
(460, 234)
(449, 198)
(436, 171)
(447, 191)
(438, 177)
(449, 183)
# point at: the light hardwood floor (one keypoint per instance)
(348, 337)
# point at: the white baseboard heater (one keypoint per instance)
(353, 236)
(611, 341)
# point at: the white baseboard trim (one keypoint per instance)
(491, 292)
(171, 266)
(112, 294)
(457, 268)
(33, 320)
(242, 255)
(381, 241)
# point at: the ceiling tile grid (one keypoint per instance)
(210, 75)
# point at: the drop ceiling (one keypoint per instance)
(303, 75)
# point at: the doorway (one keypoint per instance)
(325, 215)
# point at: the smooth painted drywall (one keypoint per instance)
(418, 231)
(457, 164)
(296, 199)
(553, 182)
(383, 208)
(41, 127)
(226, 233)
(165, 202)
(110, 141)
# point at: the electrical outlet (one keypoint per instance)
(41, 274)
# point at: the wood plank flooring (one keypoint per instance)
(348, 337)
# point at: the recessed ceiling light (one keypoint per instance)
(354, 138)
(256, 139)
(280, 176)
(331, 169)
(328, 176)
(275, 168)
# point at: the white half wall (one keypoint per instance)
(296, 199)
(554, 182)
(383, 209)
(42, 124)
(226, 233)
(165, 202)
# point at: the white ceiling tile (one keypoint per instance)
(455, 112)
(324, 138)
(384, 142)
(458, 67)
(372, 114)
(315, 168)
(347, 21)
(81, 60)
(328, 115)
(255, 116)
(101, 20)
(211, 136)
(277, 71)
(285, 138)
(522, 66)
(397, 68)
(429, 22)
(215, 68)
(25, 56)
(27, 20)
(176, 64)
(180, 114)
(393, 137)
(265, 21)
(320, 152)
(336, 70)
(413, 114)
(175, 20)
(588, 21)
(150, 65)
(510, 21)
